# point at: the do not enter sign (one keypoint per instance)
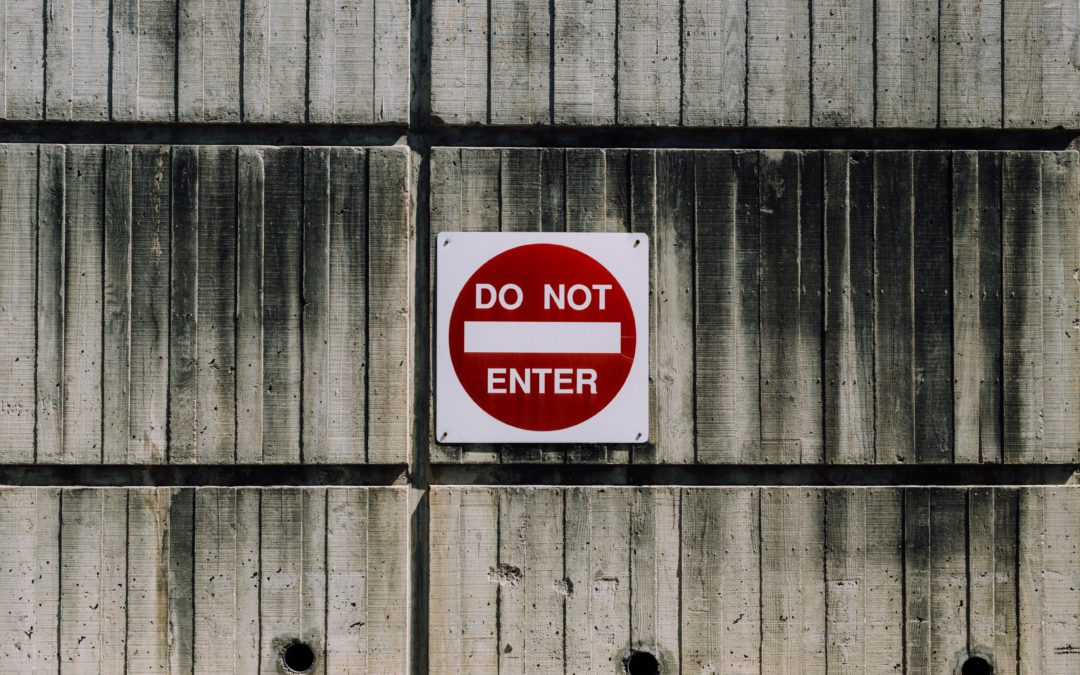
(542, 337)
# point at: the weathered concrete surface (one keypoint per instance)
(819, 307)
(293, 61)
(754, 580)
(215, 305)
(209, 580)
(200, 314)
(825, 63)
(828, 63)
(205, 304)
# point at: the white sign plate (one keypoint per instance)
(542, 338)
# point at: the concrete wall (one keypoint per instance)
(809, 307)
(206, 60)
(954, 63)
(772, 63)
(746, 580)
(216, 227)
(206, 304)
(209, 580)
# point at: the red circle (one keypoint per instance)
(573, 398)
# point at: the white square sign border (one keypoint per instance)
(624, 420)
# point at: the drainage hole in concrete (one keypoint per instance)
(976, 665)
(642, 663)
(299, 658)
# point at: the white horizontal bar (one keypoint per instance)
(543, 337)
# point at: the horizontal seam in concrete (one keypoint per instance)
(582, 475)
(166, 133)
(802, 475)
(195, 475)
